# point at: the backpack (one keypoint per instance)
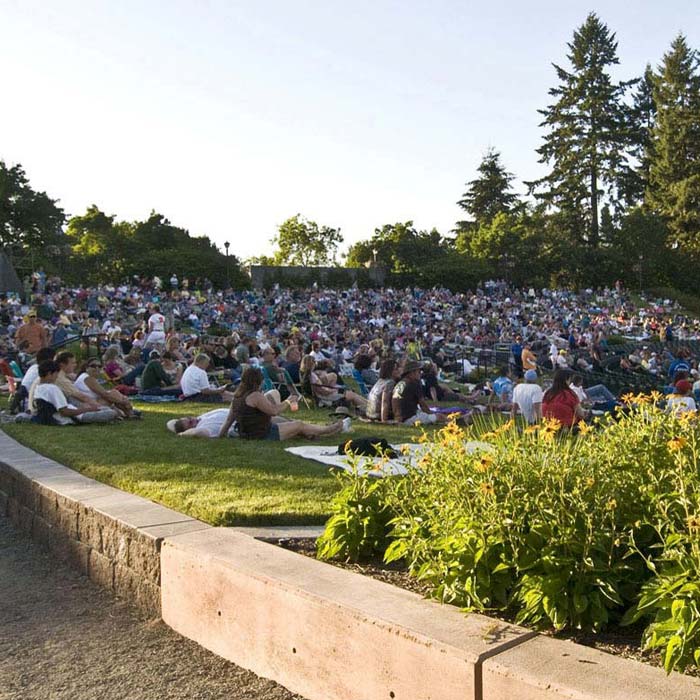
(368, 447)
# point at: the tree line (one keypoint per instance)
(620, 199)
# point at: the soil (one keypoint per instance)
(62, 637)
(620, 641)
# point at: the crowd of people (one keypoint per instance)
(261, 352)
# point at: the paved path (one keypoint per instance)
(63, 638)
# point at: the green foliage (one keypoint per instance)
(490, 193)
(28, 219)
(303, 242)
(558, 530)
(674, 169)
(587, 140)
(107, 250)
(358, 526)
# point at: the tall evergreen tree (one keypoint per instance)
(587, 132)
(490, 193)
(674, 173)
(642, 119)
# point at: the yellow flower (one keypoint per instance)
(655, 396)
(488, 436)
(531, 429)
(611, 504)
(676, 444)
(484, 463)
(405, 450)
(505, 427)
(584, 428)
(693, 522)
(590, 482)
(486, 489)
(628, 399)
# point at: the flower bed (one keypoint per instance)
(558, 531)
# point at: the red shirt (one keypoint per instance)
(562, 407)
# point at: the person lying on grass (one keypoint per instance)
(208, 425)
(258, 416)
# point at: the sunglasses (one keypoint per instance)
(93, 366)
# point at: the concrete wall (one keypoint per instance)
(324, 632)
(112, 537)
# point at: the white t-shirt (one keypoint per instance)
(526, 396)
(680, 404)
(194, 379)
(211, 421)
(30, 375)
(53, 395)
(81, 386)
(156, 322)
(580, 392)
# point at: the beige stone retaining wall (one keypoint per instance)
(112, 537)
(324, 632)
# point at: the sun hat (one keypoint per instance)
(411, 366)
(531, 375)
(170, 425)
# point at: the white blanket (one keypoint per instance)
(373, 466)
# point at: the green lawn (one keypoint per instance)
(223, 482)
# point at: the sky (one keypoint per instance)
(229, 117)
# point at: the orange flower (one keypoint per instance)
(486, 489)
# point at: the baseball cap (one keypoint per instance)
(531, 375)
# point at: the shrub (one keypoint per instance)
(558, 530)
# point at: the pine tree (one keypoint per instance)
(489, 194)
(674, 173)
(587, 138)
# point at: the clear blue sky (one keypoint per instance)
(229, 116)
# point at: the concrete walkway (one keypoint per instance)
(63, 638)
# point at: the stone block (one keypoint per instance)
(41, 531)
(90, 528)
(26, 516)
(101, 570)
(144, 556)
(13, 508)
(4, 499)
(131, 586)
(549, 669)
(322, 632)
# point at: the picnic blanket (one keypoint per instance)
(372, 466)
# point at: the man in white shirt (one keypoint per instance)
(195, 383)
(51, 406)
(156, 328)
(208, 425)
(527, 398)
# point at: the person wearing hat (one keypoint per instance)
(408, 402)
(527, 398)
(680, 400)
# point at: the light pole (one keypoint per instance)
(226, 245)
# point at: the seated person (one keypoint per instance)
(64, 382)
(52, 408)
(598, 397)
(292, 361)
(363, 365)
(562, 404)
(379, 406)
(276, 374)
(195, 383)
(680, 400)
(408, 403)
(503, 387)
(208, 425)
(88, 382)
(161, 376)
(436, 391)
(323, 386)
(527, 398)
(258, 417)
(119, 370)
